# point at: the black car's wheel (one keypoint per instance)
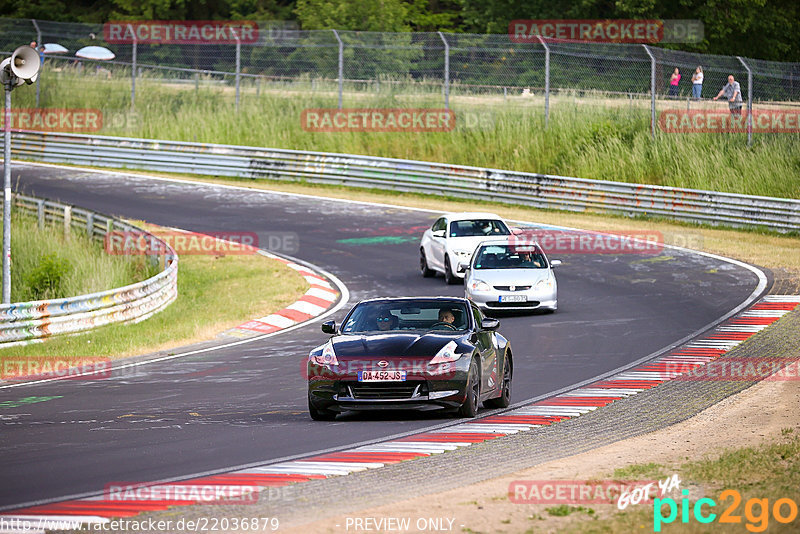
(423, 265)
(449, 277)
(319, 415)
(505, 394)
(470, 406)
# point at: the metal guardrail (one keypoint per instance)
(24, 322)
(539, 190)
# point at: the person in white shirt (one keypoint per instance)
(697, 83)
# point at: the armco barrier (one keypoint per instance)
(24, 322)
(540, 190)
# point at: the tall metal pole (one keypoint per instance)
(546, 81)
(749, 101)
(446, 71)
(7, 196)
(341, 66)
(133, 66)
(238, 64)
(652, 91)
(39, 46)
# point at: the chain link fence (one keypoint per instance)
(436, 65)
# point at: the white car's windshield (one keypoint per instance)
(510, 257)
(478, 227)
(383, 316)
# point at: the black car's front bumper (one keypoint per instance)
(436, 387)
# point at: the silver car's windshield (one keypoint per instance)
(478, 227)
(384, 316)
(509, 257)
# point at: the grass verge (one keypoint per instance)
(214, 293)
(47, 264)
(587, 136)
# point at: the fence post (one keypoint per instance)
(446, 71)
(341, 66)
(133, 66)
(652, 91)
(39, 46)
(40, 213)
(90, 224)
(67, 220)
(749, 101)
(546, 81)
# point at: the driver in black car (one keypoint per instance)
(447, 316)
(386, 321)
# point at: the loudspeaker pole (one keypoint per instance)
(7, 195)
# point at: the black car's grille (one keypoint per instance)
(386, 390)
(528, 304)
(516, 288)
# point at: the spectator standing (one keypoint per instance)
(697, 83)
(733, 92)
(673, 82)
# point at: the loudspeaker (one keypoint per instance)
(6, 75)
(25, 63)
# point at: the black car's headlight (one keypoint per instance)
(328, 356)
(446, 354)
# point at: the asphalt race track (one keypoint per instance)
(247, 404)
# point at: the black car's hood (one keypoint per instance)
(383, 345)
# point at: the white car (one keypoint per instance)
(513, 275)
(453, 238)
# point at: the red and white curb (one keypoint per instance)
(574, 403)
(319, 298)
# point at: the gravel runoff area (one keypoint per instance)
(315, 505)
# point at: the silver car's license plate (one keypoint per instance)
(381, 376)
(513, 298)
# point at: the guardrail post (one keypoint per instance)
(40, 213)
(133, 65)
(749, 101)
(341, 66)
(39, 47)
(67, 220)
(446, 71)
(90, 224)
(652, 91)
(546, 81)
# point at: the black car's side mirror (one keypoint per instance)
(329, 327)
(490, 324)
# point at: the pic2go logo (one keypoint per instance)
(756, 511)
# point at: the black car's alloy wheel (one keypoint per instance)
(470, 406)
(505, 395)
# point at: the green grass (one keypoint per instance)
(214, 293)
(590, 137)
(77, 265)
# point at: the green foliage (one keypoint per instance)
(379, 16)
(47, 278)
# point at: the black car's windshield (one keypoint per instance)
(478, 227)
(389, 315)
(509, 257)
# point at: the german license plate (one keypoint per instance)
(381, 376)
(513, 298)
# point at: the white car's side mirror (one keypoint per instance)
(438, 233)
(555, 263)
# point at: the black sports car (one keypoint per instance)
(410, 353)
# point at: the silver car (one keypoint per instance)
(511, 275)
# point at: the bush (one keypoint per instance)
(46, 279)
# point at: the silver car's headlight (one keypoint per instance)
(479, 285)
